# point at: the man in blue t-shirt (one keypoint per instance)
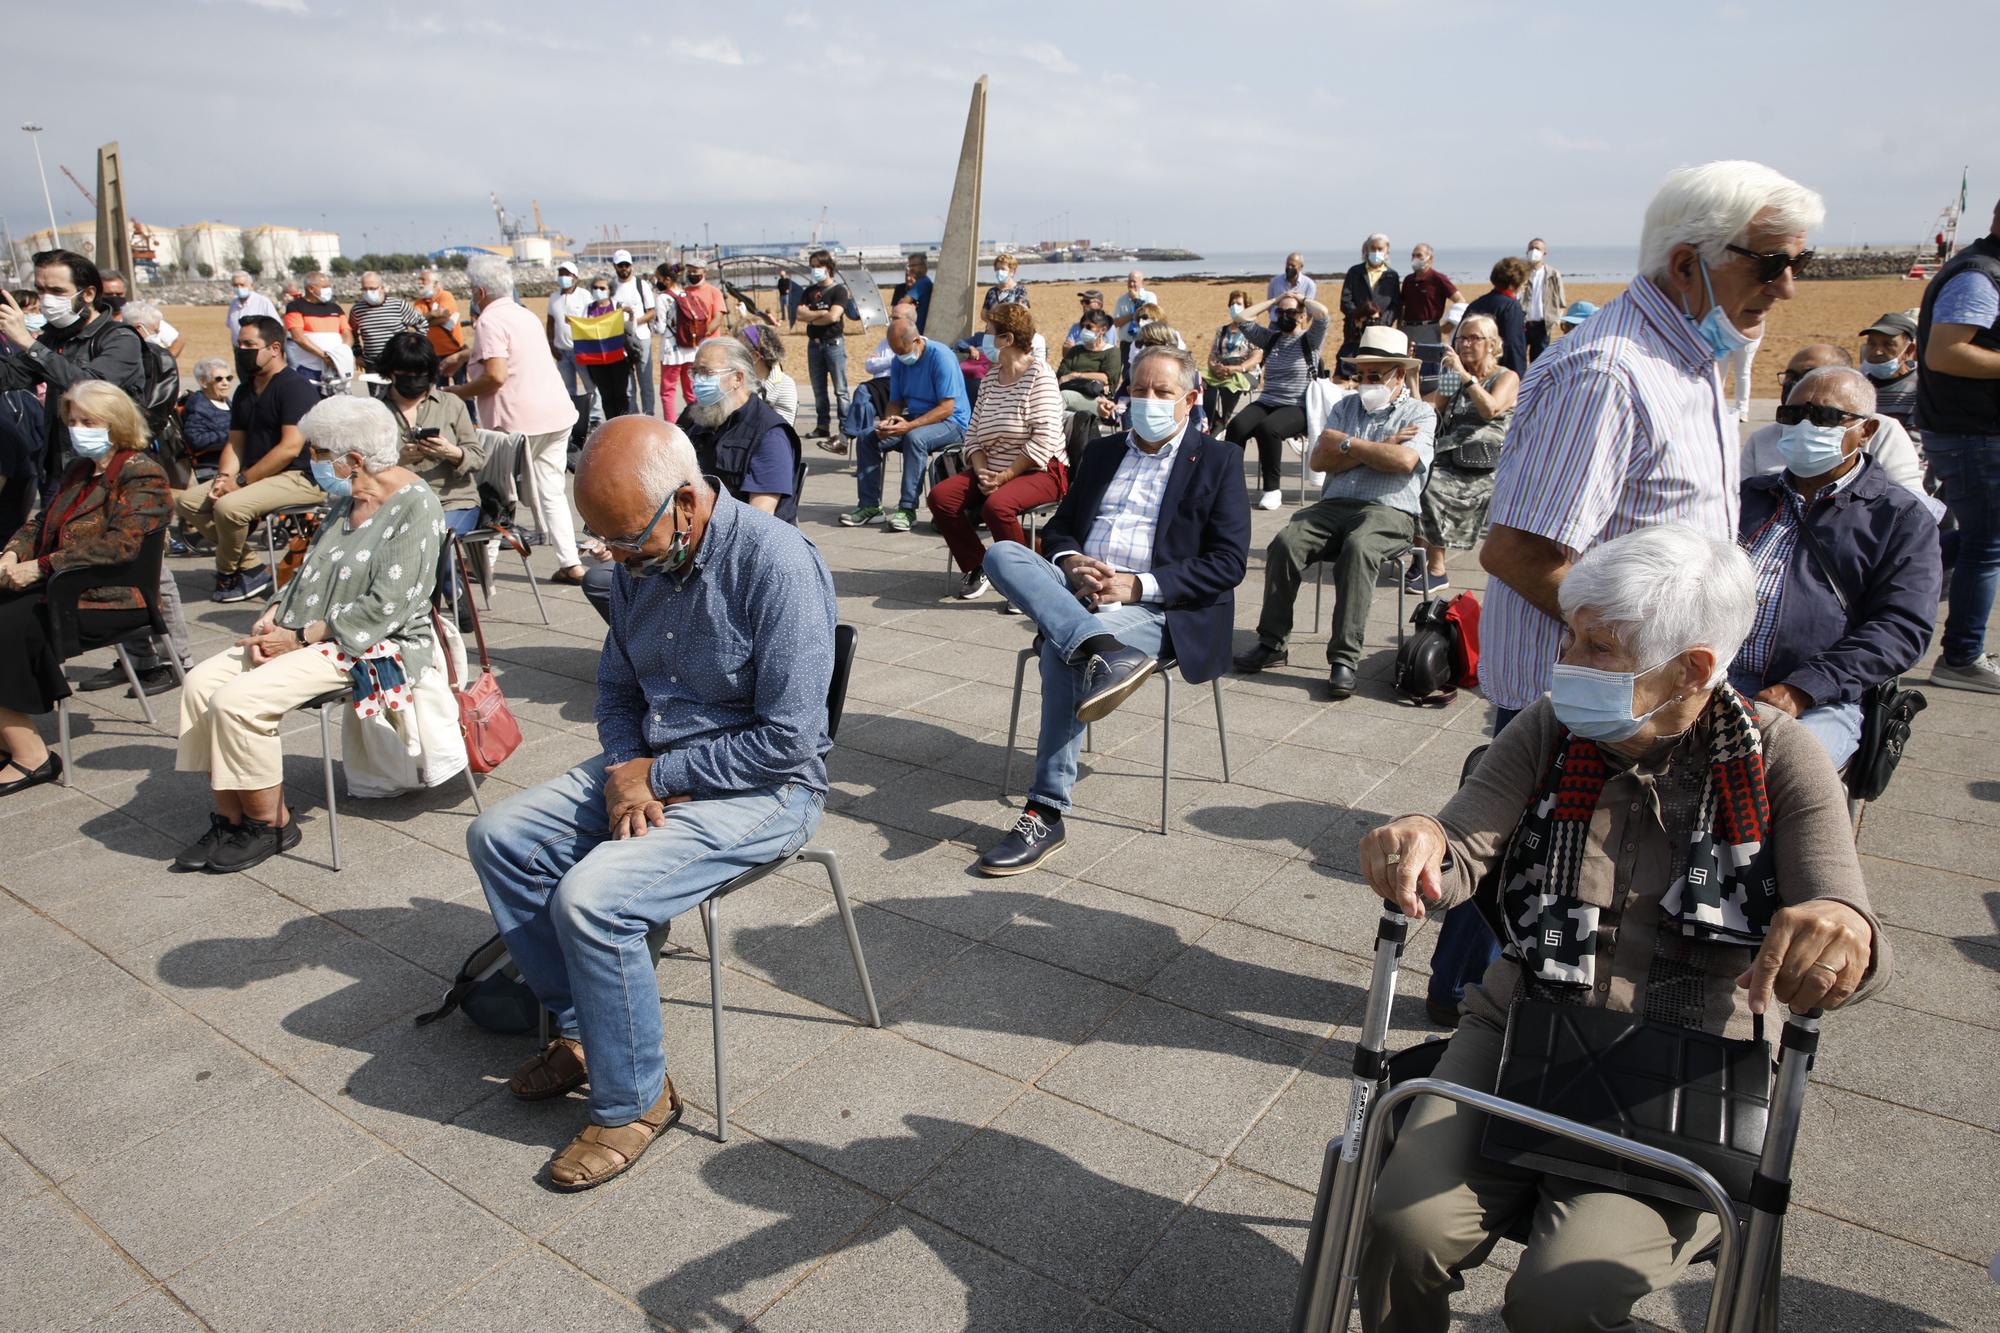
(927, 412)
(915, 286)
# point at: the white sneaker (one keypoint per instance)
(1270, 499)
(973, 586)
(1982, 673)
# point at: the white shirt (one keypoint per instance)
(666, 311)
(1534, 306)
(637, 302)
(167, 336)
(1121, 535)
(563, 304)
(241, 307)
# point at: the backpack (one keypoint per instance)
(162, 391)
(489, 989)
(689, 322)
(1426, 671)
(1463, 613)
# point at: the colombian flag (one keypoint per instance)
(599, 339)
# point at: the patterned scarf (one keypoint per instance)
(376, 677)
(1726, 893)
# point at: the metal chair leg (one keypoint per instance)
(472, 785)
(708, 927)
(528, 572)
(1319, 592)
(1014, 719)
(1089, 739)
(62, 741)
(831, 860)
(164, 647)
(132, 678)
(326, 766)
(1166, 748)
(1221, 730)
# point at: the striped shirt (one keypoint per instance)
(1122, 533)
(781, 391)
(1287, 361)
(1008, 418)
(374, 325)
(1620, 424)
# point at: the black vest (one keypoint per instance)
(1955, 404)
(725, 450)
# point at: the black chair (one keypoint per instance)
(70, 631)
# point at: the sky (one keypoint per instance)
(1232, 125)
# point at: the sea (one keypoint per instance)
(1465, 265)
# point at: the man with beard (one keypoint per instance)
(739, 437)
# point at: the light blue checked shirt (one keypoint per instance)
(1770, 550)
(1398, 490)
(1122, 533)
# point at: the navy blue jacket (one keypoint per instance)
(1201, 544)
(1883, 548)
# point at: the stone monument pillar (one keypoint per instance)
(114, 228)
(952, 309)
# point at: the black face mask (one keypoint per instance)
(117, 303)
(412, 386)
(246, 364)
(1288, 320)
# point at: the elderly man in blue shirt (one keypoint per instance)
(1376, 452)
(711, 708)
(928, 411)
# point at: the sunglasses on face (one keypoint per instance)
(1373, 376)
(1819, 414)
(1772, 266)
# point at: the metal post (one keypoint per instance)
(34, 132)
(1221, 730)
(1166, 747)
(1771, 1187)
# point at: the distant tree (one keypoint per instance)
(342, 267)
(300, 265)
(251, 264)
(457, 261)
(206, 269)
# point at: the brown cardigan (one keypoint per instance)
(106, 528)
(1626, 860)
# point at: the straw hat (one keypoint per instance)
(1384, 346)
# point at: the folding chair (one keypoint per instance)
(1401, 553)
(70, 635)
(289, 516)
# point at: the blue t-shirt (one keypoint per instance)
(934, 378)
(1969, 298)
(769, 471)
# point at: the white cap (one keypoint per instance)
(567, 267)
(621, 256)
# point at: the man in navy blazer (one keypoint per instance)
(1144, 556)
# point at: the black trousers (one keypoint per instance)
(1270, 427)
(31, 675)
(614, 387)
(1538, 337)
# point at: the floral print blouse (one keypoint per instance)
(372, 583)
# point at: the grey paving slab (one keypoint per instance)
(433, 933)
(812, 959)
(878, 1109)
(386, 1241)
(937, 805)
(403, 1082)
(1281, 825)
(121, 916)
(1936, 901)
(1289, 1140)
(1930, 840)
(1912, 1059)
(109, 848)
(1100, 932)
(188, 1191)
(57, 1273)
(1193, 1079)
(1324, 905)
(768, 1033)
(559, 1295)
(1070, 1193)
(1231, 1260)
(765, 1217)
(1210, 877)
(17, 1178)
(905, 1273)
(1305, 773)
(940, 888)
(1273, 985)
(1952, 978)
(154, 1310)
(38, 949)
(84, 1008)
(1010, 1013)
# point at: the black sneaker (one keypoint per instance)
(973, 586)
(228, 588)
(107, 679)
(1109, 679)
(1258, 656)
(153, 680)
(257, 583)
(195, 855)
(1030, 842)
(251, 844)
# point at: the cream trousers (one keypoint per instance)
(231, 712)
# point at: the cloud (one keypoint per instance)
(716, 50)
(1049, 56)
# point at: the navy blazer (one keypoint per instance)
(1201, 543)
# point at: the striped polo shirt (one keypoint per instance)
(1620, 424)
(374, 325)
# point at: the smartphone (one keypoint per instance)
(430, 433)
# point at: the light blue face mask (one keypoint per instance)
(1153, 419)
(92, 442)
(1722, 337)
(1597, 705)
(911, 357)
(1812, 451)
(339, 487)
(708, 389)
(1882, 370)
(988, 347)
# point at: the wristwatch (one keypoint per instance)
(1345, 441)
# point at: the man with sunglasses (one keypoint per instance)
(711, 710)
(1887, 442)
(1846, 561)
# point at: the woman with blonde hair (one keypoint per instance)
(1472, 424)
(105, 505)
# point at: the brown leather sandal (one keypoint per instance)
(550, 1072)
(602, 1152)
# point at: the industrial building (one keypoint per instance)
(217, 244)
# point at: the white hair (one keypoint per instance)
(490, 274)
(243, 275)
(1373, 237)
(204, 369)
(370, 273)
(662, 470)
(1190, 373)
(1666, 589)
(1711, 206)
(1855, 389)
(345, 425)
(142, 312)
(735, 356)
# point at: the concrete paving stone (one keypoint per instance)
(125, 1091)
(1409, 789)
(1197, 750)
(388, 1240)
(37, 949)
(1270, 715)
(83, 1009)
(559, 1295)
(378, 870)
(718, 1233)
(1071, 1194)
(813, 961)
(108, 849)
(1273, 985)
(188, 1191)
(154, 1310)
(914, 738)
(1338, 845)
(122, 916)
(1210, 877)
(1938, 749)
(758, 913)
(435, 935)
(1949, 978)
(1973, 800)
(1289, 1142)
(900, 686)
(1394, 740)
(942, 889)
(887, 645)
(861, 844)
(767, 1034)
(56, 1272)
(1010, 1013)
(17, 1179)
(1954, 713)
(1129, 789)
(550, 757)
(1195, 1080)
(878, 1109)
(1102, 933)
(1930, 840)
(980, 706)
(38, 828)
(539, 695)
(936, 805)
(1936, 901)
(285, 983)
(983, 758)
(853, 774)
(904, 1273)
(970, 661)
(403, 1082)
(1283, 826)
(1912, 1059)
(1231, 1260)
(1321, 904)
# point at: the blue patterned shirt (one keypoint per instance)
(1122, 533)
(720, 673)
(1398, 490)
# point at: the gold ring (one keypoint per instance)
(1834, 970)
(1390, 858)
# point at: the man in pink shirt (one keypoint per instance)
(518, 390)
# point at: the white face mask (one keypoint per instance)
(1378, 257)
(371, 297)
(243, 293)
(820, 275)
(325, 294)
(59, 311)
(599, 294)
(1534, 256)
(1375, 397)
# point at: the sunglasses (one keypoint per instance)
(1819, 414)
(1372, 376)
(1772, 266)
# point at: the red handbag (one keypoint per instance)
(490, 731)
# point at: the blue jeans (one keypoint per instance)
(1837, 727)
(916, 446)
(575, 907)
(1041, 591)
(1968, 469)
(1465, 945)
(828, 361)
(461, 521)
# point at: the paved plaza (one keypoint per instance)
(1098, 1099)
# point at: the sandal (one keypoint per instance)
(602, 1152)
(551, 1072)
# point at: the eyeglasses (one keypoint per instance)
(1772, 266)
(1373, 376)
(1791, 414)
(633, 544)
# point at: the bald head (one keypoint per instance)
(902, 332)
(1835, 386)
(629, 467)
(1814, 355)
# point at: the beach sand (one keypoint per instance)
(1829, 311)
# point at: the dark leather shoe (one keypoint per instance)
(1444, 1015)
(1341, 682)
(50, 771)
(1029, 843)
(1258, 656)
(107, 679)
(1109, 679)
(195, 855)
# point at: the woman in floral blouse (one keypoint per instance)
(356, 616)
